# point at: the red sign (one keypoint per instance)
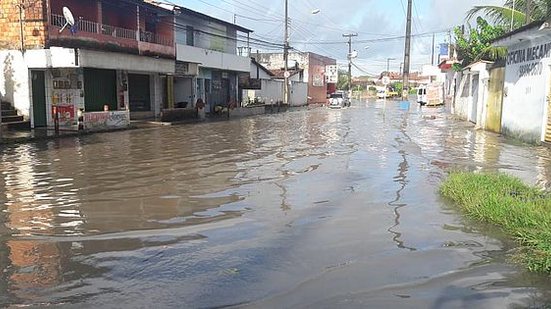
(66, 115)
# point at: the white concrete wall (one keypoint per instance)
(524, 111)
(202, 38)
(462, 97)
(15, 82)
(299, 94)
(482, 69)
(272, 92)
(55, 57)
(183, 90)
(119, 61)
(213, 59)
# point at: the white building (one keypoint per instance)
(111, 66)
(208, 64)
(525, 111)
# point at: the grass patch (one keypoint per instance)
(522, 211)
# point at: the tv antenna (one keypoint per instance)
(69, 20)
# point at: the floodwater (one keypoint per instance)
(314, 208)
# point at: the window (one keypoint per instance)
(190, 36)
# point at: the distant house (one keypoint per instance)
(313, 68)
(525, 113)
(109, 67)
(264, 86)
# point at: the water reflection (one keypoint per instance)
(163, 209)
(402, 181)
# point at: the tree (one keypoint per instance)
(524, 12)
(343, 82)
(476, 43)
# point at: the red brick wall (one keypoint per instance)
(316, 66)
(34, 26)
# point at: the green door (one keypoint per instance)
(39, 99)
(100, 88)
(138, 92)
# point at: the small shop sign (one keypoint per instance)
(106, 120)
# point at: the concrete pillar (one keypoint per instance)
(157, 95)
(170, 91)
(99, 16)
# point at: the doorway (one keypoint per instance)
(139, 93)
(39, 99)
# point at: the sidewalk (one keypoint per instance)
(8, 137)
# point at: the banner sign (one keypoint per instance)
(106, 120)
(332, 74)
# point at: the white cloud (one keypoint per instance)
(372, 19)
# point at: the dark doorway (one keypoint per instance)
(225, 92)
(100, 88)
(39, 99)
(140, 100)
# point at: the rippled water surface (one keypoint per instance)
(314, 208)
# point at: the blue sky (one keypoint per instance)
(371, 19)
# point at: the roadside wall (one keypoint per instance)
(462, 96)
(526, 88)
(14, 81)
(272, 92)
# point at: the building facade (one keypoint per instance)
(208, 64)
(313, 66)
(114, 64)
(526, 92)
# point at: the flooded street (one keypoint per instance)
(316, 208)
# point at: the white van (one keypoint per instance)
(422, 95)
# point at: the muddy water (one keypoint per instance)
(317, 208)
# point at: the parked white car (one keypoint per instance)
(422, 95)
(338, 100)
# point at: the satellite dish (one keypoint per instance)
(69, 19)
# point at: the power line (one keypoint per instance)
(384, 39)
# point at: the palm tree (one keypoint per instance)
(524, 11)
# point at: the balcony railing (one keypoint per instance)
(151, 37)
(93, 27)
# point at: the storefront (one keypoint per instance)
(84, 99)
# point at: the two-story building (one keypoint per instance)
(115, 63)
(313, 66)
(207, 62)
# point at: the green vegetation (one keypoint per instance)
(343, 82)
(476, 43)
(524, 12)
(523, 212)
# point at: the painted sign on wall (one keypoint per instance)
(529, 59)
(66, 114)
(106, 120)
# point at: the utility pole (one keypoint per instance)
(407, 51)
(432, 54)
(350, 36)
(286, 56)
